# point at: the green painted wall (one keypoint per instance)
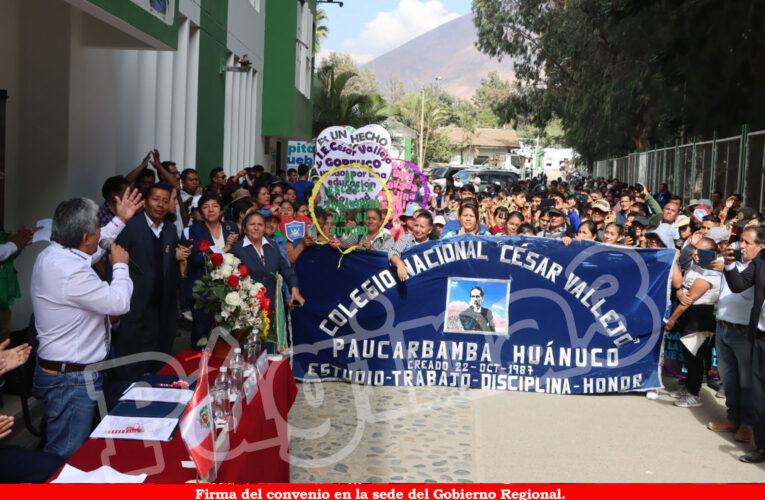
(143, 20)
(286, 112)
(212, 86)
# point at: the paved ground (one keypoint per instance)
(344, 433)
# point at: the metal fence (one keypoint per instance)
(696, 170)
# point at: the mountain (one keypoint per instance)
(448, 51)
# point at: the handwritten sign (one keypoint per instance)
(369, 133)
(403, 186)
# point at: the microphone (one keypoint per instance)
(106, 246)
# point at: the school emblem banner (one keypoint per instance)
(502, 313)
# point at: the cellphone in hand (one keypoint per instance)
(632, 233)
(706, 257)
(738, 256)
(548, 202)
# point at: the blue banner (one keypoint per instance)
(511, 313)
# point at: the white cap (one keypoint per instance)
(439, 219)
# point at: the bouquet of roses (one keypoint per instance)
(227, 291)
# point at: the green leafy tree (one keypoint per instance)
(322, 30)
(333, 106)
(492, 93)
(627, 74)
(364, 80)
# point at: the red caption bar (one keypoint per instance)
(385, 492)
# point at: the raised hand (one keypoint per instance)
(130, 204)
(23, 236)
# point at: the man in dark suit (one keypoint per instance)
(476, 317)
(150, 325)
(754, 275)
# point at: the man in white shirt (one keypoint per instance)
(72, 306)
(738, 281)
(734, 347)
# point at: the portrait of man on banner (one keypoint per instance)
(477, 306)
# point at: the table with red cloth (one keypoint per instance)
(259, 448)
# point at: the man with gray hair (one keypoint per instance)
(72, 306)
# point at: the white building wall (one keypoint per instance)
(88, 101)
(242, 141)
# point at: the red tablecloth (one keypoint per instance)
(259, 451)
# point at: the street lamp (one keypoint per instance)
(422, 122)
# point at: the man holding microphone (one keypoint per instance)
(72, 306)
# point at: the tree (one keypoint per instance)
(322, 30)
(627, 74)
(408, 109)
(333, 106)
(364, 80)
(395, 89)
(492, 92)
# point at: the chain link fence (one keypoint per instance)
(696, 170)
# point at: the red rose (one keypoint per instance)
(233, 280)
(203, 246)
(216, 259)
(265, 302)
(243, 271)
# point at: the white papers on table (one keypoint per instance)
(139, 392)
(141, 428)
(44, 233)
(103, 474)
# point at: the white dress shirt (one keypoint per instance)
(7, 249)
(761, 322)
(156, 229)
(264, 241)
(71, 302)
(735, 307)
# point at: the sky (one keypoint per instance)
(366, 29)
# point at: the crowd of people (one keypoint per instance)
(88, 308)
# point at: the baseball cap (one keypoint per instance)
(602, 205)
(555, 211)
(439, 219)
(745, 214)
(410, 210)
(665, 233)
(717, 234)
(705, 203)
(682, 220)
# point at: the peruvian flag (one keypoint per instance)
(197, 423)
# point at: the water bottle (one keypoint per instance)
(237, 375)
(221, 407)
(251, 353)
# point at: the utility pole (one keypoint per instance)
(422, 123)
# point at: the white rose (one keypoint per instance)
(233, 299)
(226, 270)
(229, 259)
(235, 261)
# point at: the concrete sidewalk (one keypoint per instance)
(342, 433)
